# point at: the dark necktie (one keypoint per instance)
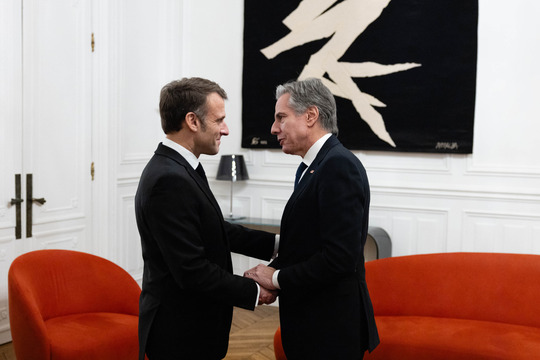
(299, 172)
(201, 173)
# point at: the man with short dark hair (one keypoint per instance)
(188, 289)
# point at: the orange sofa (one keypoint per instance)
(456, 306)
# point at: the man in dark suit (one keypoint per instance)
(188, 289)
(325, 309)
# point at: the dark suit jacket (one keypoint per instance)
(325, 309)
(188, 289)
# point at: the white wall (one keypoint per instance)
(487, 201)
(138, 50)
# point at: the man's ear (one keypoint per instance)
(312, 113)
(192, 121)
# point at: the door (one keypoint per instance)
(45, 130)
(56, 123)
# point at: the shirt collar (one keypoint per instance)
(186, 154)
(314, 149)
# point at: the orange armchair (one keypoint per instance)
(278, 346)
(72, 305)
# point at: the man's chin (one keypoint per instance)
(211, 151)
(286, 150)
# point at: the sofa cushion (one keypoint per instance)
(104, 336)
(417, 337)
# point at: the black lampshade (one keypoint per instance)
(232, 168)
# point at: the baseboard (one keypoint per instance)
(5, 335)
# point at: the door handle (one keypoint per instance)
(30, 199)
(40, 201)
(29, 202)
(17, 202)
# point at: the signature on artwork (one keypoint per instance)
(447, 146)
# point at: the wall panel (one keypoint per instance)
(501, 232)
(138, 50)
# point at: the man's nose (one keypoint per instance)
(274, 130)
(225, 129)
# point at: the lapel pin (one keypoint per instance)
(312, 171)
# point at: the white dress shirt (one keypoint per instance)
(186, 154)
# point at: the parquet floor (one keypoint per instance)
(252, 335)
(6, 352)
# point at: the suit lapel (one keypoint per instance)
(174, 155)
(311, 171)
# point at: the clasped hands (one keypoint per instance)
(262, 274)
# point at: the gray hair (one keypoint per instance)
(311, 92)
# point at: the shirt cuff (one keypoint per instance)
(275, 280)
(258, 294)
(276, 247)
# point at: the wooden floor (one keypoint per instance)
(252, 335)
(6, 352)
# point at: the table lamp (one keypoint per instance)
(232, 168)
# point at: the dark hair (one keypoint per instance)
(312, 92)
(180, 97)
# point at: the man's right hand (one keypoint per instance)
(267, 296)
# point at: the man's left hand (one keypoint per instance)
(263, 275)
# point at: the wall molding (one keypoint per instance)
(409, 163)
(276, 158)
(528, 217)
(272, 207)
(413, 229)
(474, 169)
(459, 193)
(135, 158)
(69, 237)
(499, 231)
(51, 220)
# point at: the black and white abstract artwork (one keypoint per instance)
(403, 72)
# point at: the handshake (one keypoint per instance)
(262, 274)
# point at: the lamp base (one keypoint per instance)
(234, 217)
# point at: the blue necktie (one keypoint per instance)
(299, 172)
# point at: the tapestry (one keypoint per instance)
(403, 73)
